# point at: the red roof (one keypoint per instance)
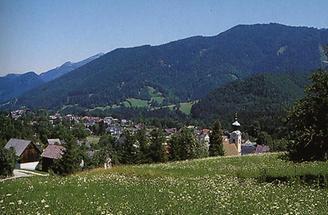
(53, 152)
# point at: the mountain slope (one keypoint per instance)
(185, 69)
(65, 68)
(14, 85)
(262, 97)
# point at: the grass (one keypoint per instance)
(93, 139)
(136, 103)
(185, 107)
(204, 186)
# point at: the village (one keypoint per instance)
(42, 156)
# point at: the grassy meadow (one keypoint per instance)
(228, 185)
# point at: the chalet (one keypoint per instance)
(27, 152)
(51, 153)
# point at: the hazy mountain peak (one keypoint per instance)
(66, 68)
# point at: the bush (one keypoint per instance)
(7, 161)
(308, 122)
(183, 145)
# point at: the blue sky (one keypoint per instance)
(37, 35)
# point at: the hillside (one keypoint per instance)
(237, 185)
(14, 85)
(263, 97)
(185, 69)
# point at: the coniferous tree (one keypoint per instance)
(107, 150)
(129, 148)
(216, 140)
(156, 149)
(71, 159)
(143, 142)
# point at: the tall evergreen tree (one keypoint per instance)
(129, 148)
(71, 159)
(216, 140)
(156, 149)
(143, 142)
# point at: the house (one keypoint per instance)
(17, 114)
(204, 135)
(115, 131)
(262, 149)
(54, 141)
(170, 131)
(51, 153)
(248, 147)
(27, 152)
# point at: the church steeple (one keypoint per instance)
(235, 136)
(236, 124)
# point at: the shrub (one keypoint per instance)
(308, 122)
(7, 161)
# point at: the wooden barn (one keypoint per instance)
(27, 152)
(51, 153)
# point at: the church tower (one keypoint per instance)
(235, 135)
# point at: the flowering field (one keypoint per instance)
(205, 186)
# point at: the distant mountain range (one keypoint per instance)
(14, 85)
(186, 69)
(183, 70)
(66, 68)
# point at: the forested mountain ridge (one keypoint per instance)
(185, 69)
(13, 85)
(263, 97)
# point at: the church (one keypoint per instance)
(234, 146)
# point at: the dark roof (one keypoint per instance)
(248, 149)
(53, 151)
(18, 145)
(262, 149)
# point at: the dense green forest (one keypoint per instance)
(186, 69)
(263, 98)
